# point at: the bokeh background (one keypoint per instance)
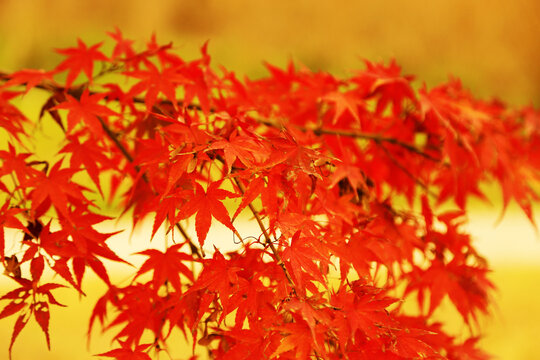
(492, 46)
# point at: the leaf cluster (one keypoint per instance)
(318, 163)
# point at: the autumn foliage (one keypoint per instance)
(358, 186)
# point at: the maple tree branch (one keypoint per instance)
(374, 137)
(76, 93)
(116, 142)
(129, 157)
(267, 239)
(361, 135)
(194, 249)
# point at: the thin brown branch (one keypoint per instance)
(362, 135)
(115, 140)
(378, 138)
(76, 92)
(129, 157)
(268, 240)
(194, 249)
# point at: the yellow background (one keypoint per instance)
(493, 46)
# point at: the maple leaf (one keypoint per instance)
(167, 266)
(126, 353)
(138, 307)
(300, 259)
(153, 82)
(197, 84)
(237, 147)
(219, 275)
(100, 308)
(408, 345)
(466, 286)
(308, 313)
(167, 209)
(58, 188)
(88, 156)
(86, 239)
(87, 111)
(253, 190)
(16, 162)
(289, 150)
(123, 46)
(29, 77)
(299, 337)
(386, 83)
(343, 102)
(348, 170)
(80, 58)
(245, 344)
(26, 299)
(363, 309)
(207, 204)
(11, 119)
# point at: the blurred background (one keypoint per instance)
(492, 46)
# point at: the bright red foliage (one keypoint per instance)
(315, 161)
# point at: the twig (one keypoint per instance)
(115, 140)
(51, 86)
(76, 92)
(129, 157)
(361, 135)
(267, 239)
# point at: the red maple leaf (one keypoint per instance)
(29, 77)
(86, 110)
(153, 82)
(167, 266)
(88, 156)
(123, 46)
(207, 204)
(126, 353)
(30, 299)
(343, 102)
(298, 336)
(219, 275)
(238, 147)
(254, 189)
(80, 58)
(387, 84)
(300, 258)
(13, 162)
(56, 187)
(11, 118)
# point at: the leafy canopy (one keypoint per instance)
(321, 165)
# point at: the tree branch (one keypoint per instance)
(378, 138)
(361, 135)
(268, 241)
(76, 92)
(194, 249)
